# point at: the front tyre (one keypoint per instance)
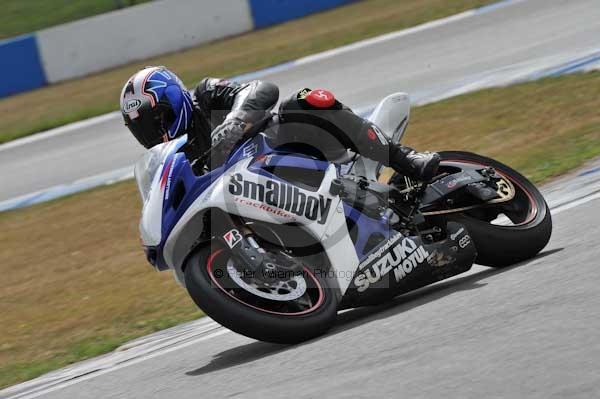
(294, 311)
(529, 222)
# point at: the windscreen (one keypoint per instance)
(145, 169)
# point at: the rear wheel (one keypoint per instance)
(508, 232)
(292, 309)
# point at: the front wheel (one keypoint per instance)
(509, 232)
(290, 310)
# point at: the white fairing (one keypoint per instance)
(327, 221)
(392, 115)
(147, 173)
(323, 215)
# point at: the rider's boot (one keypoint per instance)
(416, 165)
(372, 143)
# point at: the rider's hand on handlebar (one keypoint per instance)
(224, 138)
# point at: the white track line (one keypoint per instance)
(59, 131)
(61, 385)
(576, 203)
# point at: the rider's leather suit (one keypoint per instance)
(312, 119)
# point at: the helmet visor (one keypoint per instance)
(149, 129)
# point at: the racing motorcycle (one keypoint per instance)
(274, 243)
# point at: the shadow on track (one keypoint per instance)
(351, 318)
(422, 296)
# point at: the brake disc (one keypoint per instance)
(279, 290)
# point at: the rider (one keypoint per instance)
(157, 108)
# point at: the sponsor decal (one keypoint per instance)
(400, 255)
(265, 207)
(439, 259)
(232, 237)
(459, 232)
(266, 159)
(132, 105)
(322, 94)
(320, 98)
(302, 94)
(283, 196)
(165, 180)
(250, 150)
(464, 241)
(168, 181)
(452, 183)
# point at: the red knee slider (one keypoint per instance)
(320, 98)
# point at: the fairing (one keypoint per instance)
(150, 173)
(250, 184)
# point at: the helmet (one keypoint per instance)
(156, 106)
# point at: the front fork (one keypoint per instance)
(251, 258)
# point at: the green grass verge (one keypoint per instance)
(74, 100)
(64, 300)
(80, 351)
(85, 349)
(24, 16)
(543, 128)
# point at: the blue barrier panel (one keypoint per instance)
(270, 12)
(20, 65)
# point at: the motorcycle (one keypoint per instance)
(274, 243)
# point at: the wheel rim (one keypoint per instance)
(310, 301)
(521, 210)
(281, 290)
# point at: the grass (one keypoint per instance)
(543, 128)
(19, 16)
(81, 287)
(74, 100)
(75, 282)
(84, 349)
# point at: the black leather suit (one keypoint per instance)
(225, 109)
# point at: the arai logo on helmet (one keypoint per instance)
(132, 105)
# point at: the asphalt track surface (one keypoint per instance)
(527, 331)
(498, 44)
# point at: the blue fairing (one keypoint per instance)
(366, 227)
(183, 187)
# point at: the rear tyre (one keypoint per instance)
(256, 317)
(499, 245)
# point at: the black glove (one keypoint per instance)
(224, 138)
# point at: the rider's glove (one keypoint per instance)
(224, 138)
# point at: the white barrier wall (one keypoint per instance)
(104, 41)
